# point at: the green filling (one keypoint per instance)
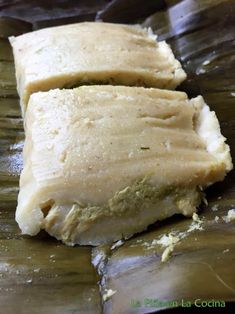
(108, 81)
(81, 82)
(139, 196)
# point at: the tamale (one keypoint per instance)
(103, 162)
(85, 53)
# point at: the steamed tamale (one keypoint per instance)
(104, 162)
(85, 53)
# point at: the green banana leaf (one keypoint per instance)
(39, 274)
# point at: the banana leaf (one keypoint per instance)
(198, 268)
(7, 80)
(122, 11)
(12, 26)
(39, 274)
(5, 51)
(49, 11)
